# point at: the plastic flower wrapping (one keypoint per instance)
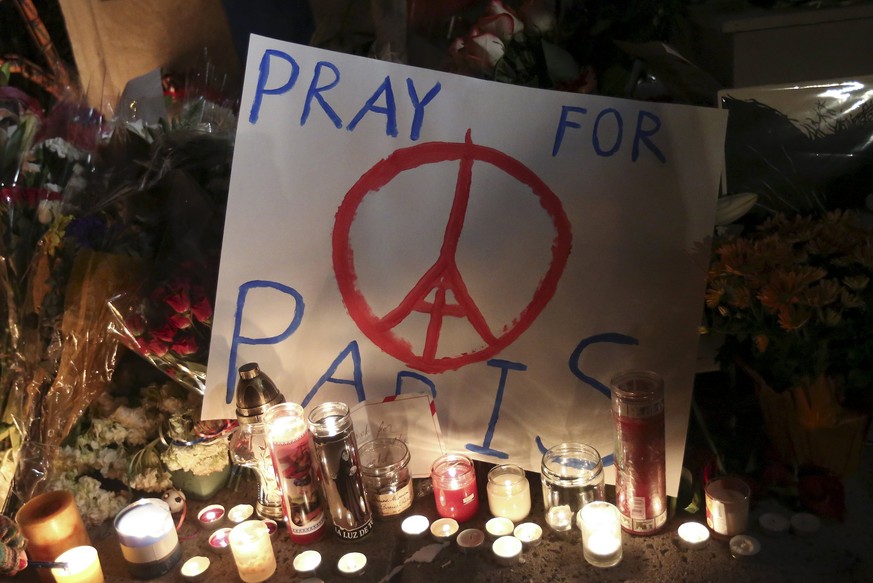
(110, 233)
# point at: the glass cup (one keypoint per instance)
(508, 492)
(600, 523)
(387, 481)
(727, 506)
(572, 476)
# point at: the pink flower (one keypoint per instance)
(185, 345)
(165, 333)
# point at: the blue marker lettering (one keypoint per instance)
(237, 326)
(413, 375)
(358, 380)
(644, 135)
(264, 74)
(390, 109)
(316, 90)
(485, 448)
(564, 124)
(617, 144)
(418, 117)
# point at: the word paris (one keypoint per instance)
(279, 73)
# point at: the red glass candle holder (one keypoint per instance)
(454, 487)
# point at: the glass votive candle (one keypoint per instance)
(507, 550)
(454, 487)
(601, 534)
(572, 476)
(83, 566)
(508, 492)
(727, 506)
(252, 551)
(387, 481)
(499, 526)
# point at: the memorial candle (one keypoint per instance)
(252, 551)
(147, 537)
(508, 492)
(601, 534)
(454, 487)
(83, 566)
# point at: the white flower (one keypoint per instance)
(538, 15)
(152, 480)
(138, 424)
(63, 149)
(200, 459)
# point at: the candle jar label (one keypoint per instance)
(384, 465)
(395, 503)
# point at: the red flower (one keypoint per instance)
(178, 298)
(165, 333)
(201, 309)
(179, 321)
(186, 345)
(158, 348)
(135, 324)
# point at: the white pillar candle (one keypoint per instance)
(414, 526)
(83, 566)
(499, 526)
(147, 537)
(507, 550)
(601, 534)
(693, 535)
(252, 551)
(508, 492)
(352, 564)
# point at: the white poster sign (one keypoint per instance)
(394, 230)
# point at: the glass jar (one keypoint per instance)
(572, 476)
(508, 492)
(454, 487)
(385, 467)
(640, 453)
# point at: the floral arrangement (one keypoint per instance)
(793, 300)
(201, 455)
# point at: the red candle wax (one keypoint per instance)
(454, 487)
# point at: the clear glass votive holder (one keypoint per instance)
(600, 523)
(572, 476)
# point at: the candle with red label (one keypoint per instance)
(454, 487)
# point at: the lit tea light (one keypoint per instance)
(470, 539)
(272, 526)
(744, 546)
(560, 518)
(218, 540)
(444, 528)
(600, 523)
(240, 513)
(499, 526)
(773, 523)
(693, 535)
(507, 550)
(804, 523)
(414, 526)
(307, 562)
(83, 566)
(352, 564)
(194, 568)
(529, 533)
(211, 516)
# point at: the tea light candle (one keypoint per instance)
(444, 528)
(147, 536)
(240, 512)
(307, 562)
(773, 523)
(560, 518)
(507, 550)
(211, 516)
(252, 551)
(693, 535)
(804, 523)
(218, 540)
(499, 526)
(470, 539)
(194, 569)
(744, 546)
(529, 533)
(352, 564)
(601, 533)
(508, 492)
(83, 566)
(414, 526)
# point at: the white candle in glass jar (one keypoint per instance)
(601, 533)
(508, 492)
(252, 551)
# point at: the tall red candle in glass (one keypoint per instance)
(454, 487)
(640, 453)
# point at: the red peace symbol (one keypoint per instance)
(443, 277)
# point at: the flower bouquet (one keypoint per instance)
(793, 300)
